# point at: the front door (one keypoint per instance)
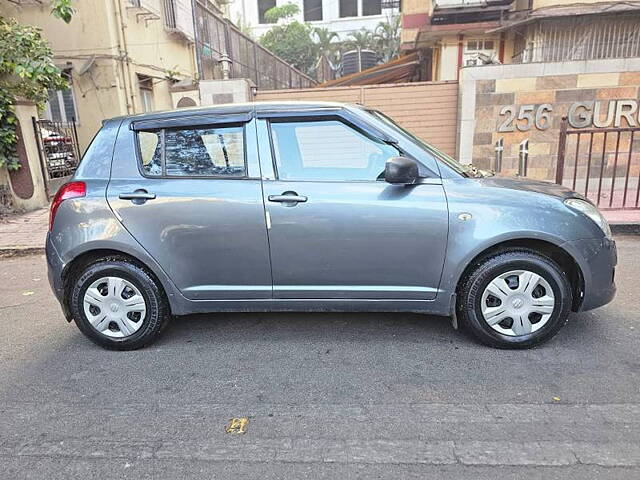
(337, 229)
(196, 206)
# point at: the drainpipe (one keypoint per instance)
(122, 46)
(460, 48)
(194, 15)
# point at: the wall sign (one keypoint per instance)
(580, 115)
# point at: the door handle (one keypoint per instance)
(284, 198)
(140, 195)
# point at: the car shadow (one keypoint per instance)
(310, 326)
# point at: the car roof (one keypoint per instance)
(230, 108)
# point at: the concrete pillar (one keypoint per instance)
(27, 184)
(215, 92)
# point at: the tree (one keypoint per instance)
(26, 71)
(362, 39)
(290, 39)
(62, 9)
(387, 39)
(325, 44)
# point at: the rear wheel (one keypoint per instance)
(118, 305)
(514, 299)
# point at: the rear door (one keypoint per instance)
(337, 229)
(190, 193)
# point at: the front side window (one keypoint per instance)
(194, 152)
(327, 150)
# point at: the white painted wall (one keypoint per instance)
(246, 12)
(449, 59)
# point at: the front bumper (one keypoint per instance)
(54, 274)
(597, 259)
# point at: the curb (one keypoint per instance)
(18, 251)
(625, 228)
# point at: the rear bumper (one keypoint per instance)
(54, 274)
(597, 259)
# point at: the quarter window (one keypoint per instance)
(327, 150)
(194, 152)
(150, 152)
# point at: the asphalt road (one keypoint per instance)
(327, 395)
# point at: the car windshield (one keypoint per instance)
(465, 170)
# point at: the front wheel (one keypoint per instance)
(118, 305)
(515, 299)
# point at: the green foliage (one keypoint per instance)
(62, 9)
(301, 45)
(361, 39)
(27, 71)
(283, 12)
(324, 41)
(8, 137)
(291, 40)
(387, 39)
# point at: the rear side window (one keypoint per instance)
(193, 152)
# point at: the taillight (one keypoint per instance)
(67, 191)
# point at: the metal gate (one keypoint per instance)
(601, 163)
(58, 150)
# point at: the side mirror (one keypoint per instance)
(401, 170)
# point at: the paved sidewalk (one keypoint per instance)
(24, 231)
(27, 232)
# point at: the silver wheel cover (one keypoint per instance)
(518, 302)
(114, 307)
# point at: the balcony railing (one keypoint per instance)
(440, 4)
(580, 39)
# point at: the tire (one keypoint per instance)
(520, 326)
(145, 296)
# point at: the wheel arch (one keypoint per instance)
(87, 257)
(547, 248)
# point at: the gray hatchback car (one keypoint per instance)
(312, 206)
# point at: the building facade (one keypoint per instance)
(459, 33)
(340, 16)
(120, 56)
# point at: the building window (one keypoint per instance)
(523, 158)
(312, 10)
(263, 6)
(371, 7)
(61, 106)
(145, 85)
(348, 8)
(480, 51)
(169, 8)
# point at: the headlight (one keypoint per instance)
(590, 211)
